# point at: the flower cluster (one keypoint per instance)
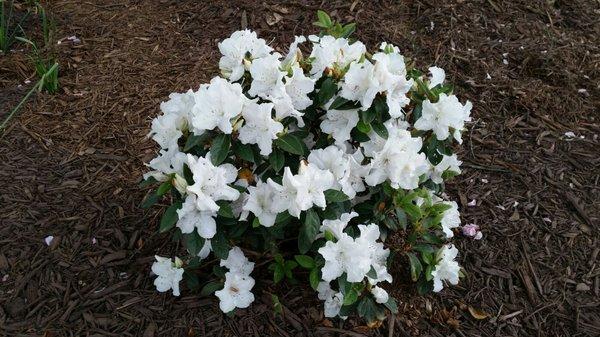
(336, 150)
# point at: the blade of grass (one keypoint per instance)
(38, 86)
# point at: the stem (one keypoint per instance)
(37, 86)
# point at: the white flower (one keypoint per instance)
(190, 218)
(346, 168)
(330, 52)
(237, 262)
(259, 128)
(377, 253)
(390, 72)
(298, 87)
(169, 274)
(450, 219)
(337, 226)
(360, 84)
(339, 123)
(446, 114)
(381, 296)
(236, 292)
(216, 105)
(398, 161)
(261, 202)
(438, 75)
(448, 163)
(205, 250)
(291, 59)
(284, 106)
(333, 300)
(266, 75)
(210, 182)
(169, 127)
(353, 257)
(446, 268)
(235, 49)
(167, 162)
(300, 192)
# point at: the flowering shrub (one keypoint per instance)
(311, 160)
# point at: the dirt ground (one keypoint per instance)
(70, 164)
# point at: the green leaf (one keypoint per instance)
(194, 140)
(335, 196)
(278, 273)
(439, 208)
(150, 200)
(290, 143)
(164, 188)
(367, 116)
(220, 148)
(148, 182)
(314, 278)
(324, 18)
(308, 231)
(277, 160)
(210, 288)
(193, 242)
(415, 266)
(220, 246)
(351, 297)
(277, 307)
(338, 102)
(305, 261)
(348, 29)
(372, 273)
(225, 209)
(191, 280)
(169, 218)
(363, 127)
(243, 151)
(380, 129)
(219, 271)
(288, 267)
(369, 310)
(327, 90)
(413, 211)
(392, 305)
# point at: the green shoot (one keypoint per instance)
(7, 32)
(333, 28)
(47, 24)
(37, 87)
(44, 68)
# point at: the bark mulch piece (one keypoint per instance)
(70, 163)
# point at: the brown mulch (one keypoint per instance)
(70, 164)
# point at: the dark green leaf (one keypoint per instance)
(278, 273)
(220, 246)
(314, 278)
(338, 102)
(305, 261)
(308, 231)
(220, 148)
(351, 297)
(369, 310)
(191, 280)
(193, 242)
(219, 271)
(327, 90)
(290, 143)
(277, 160)
(148, 182)
(372, 273)
(169, 218)
(194, 140)
(367, 116)
(335, 196)
(150, 200)
(415, 266)
(243, 151)
(380, 129)
(288, 267)
(164, 188)
(391, 305)
(225, 209)
(210, 288)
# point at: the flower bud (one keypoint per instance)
(180, 183)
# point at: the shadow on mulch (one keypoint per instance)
(70, 163)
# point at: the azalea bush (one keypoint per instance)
(310, 160)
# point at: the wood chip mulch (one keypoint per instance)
(70, 164)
